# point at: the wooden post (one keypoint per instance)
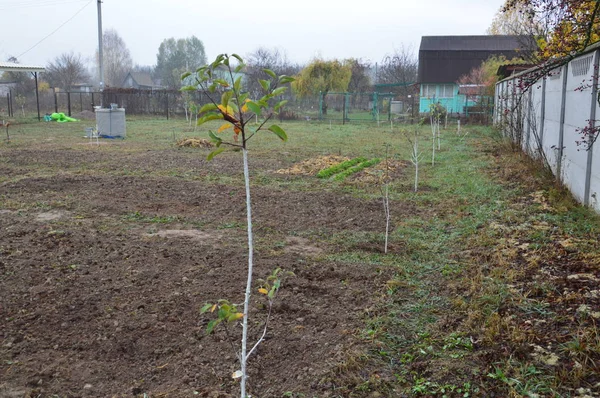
(37, 96)
(69, 102)
(344, 111)
(167, 105)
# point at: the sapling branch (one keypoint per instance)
(262, 338)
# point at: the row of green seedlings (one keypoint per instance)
(342, 170)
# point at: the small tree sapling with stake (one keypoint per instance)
(415, 156)
(436, 112)
(385, 194)
(238, 110)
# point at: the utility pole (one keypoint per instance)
(100, 51)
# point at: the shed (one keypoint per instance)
(33, 69)
(444, 59)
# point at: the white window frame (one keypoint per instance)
(429, 90)
(444, 88)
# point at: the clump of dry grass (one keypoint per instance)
(194, 143)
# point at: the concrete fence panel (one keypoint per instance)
(549, 118)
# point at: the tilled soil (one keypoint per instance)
(102, 278)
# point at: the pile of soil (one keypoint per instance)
(375, 174)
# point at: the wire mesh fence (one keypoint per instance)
(334, 107)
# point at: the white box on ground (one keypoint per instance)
(111, 122)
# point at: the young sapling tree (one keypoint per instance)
(436, 113)
(415, 156)
(237, 110)
(385, 194)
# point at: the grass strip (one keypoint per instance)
(356, 169)
(329, 171)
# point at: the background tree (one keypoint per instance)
(266, 58)
(66, 70)
(522, 20)
(176, 57)
(359, 80)
(572, 24)
(24, 81)
(117, 58)
(399, 68)
(322, 76)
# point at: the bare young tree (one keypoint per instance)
(66, 70)
(117, 58)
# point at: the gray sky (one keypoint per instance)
(308, 28)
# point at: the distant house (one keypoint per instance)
(444, 59)
(82, 88)
(140, 80)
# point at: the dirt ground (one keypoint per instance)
(102, 279)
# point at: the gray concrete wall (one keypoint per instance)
(546, 120)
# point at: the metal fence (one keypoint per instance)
(337, 107)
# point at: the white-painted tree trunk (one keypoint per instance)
(439, 135)
(243, 355)
(432, 121)
(386, 206)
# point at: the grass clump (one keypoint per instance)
(335, 169)
(356, 169)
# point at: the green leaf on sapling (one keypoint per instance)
(215, 153)
(210, 116)
(278, 131)
(266, 85)
(207, 107)
(238, 58)
(205, 308)
(279, 91)
(270, 73)
(280, 104)
(254, 107)
(285, 79)
(211, 325)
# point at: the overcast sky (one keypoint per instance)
(304, 29)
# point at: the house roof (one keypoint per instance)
(443, 59)
(13, 67)
(142, 79)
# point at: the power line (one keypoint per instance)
(56, 30)
(37, 4)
